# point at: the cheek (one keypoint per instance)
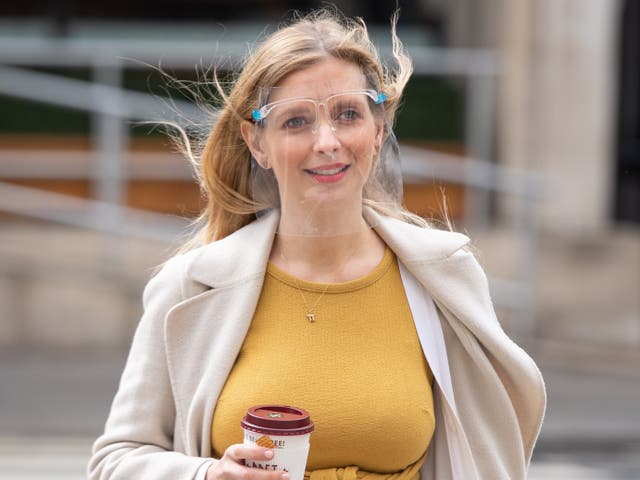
(363, 151)
(286, 157)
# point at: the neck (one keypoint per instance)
(330, 247)
(309, 220)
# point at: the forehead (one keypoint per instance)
(320, 80)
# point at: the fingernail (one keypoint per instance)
(268, 454)
(285, 476)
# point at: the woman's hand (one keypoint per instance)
(231, 466)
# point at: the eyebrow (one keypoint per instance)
(292, 109)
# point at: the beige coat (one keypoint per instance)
(199, 308)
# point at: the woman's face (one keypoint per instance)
(320, 136)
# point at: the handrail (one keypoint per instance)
(86, 213)
(134, 223)
(418, 165)
(92, 97)
(91, 43)
(423, 164)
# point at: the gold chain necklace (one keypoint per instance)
(311, 311)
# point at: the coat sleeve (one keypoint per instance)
(138, 438)
(498, 388)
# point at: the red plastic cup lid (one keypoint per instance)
(277, 420)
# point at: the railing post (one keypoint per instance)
(479, 131)
(110, 143)
(526, 261)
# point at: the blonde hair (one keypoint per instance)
(223, 159)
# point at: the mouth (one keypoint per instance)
(327, 170)
(328, 173)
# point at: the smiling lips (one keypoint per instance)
(328, 173)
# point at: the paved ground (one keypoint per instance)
(604, 463)
(62, 458)
(52, 405)
(40, 458)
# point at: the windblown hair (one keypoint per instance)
(222, 160)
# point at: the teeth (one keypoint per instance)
(333, 171)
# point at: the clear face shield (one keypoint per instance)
(319, 150)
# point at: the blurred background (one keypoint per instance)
(522, 120)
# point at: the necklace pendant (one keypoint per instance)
(311, 317)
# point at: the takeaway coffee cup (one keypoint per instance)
(285, 430)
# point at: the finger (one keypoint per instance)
(239, 452)
(230, 469)
(247, 473)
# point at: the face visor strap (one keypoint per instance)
(259, 114)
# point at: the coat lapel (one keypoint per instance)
(493, 379)
(205, 332)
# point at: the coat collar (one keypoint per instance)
(245, 253)
(237, 257)
(415, 244)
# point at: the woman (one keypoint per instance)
(309, 285)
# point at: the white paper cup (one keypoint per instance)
(284, 429)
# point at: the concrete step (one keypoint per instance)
(69, 288)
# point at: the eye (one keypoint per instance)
(349, 114)
(295, 122)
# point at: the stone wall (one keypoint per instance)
(64, 288)
(557, 105)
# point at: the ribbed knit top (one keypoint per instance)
(358, 370)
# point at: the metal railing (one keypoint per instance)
(111, 105)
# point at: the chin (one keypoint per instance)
(337, 197)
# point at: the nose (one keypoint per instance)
(326, 139)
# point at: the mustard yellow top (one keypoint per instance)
(358, 370)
